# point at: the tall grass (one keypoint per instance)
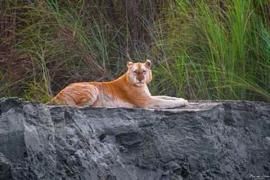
(60, 46)
(216, 52)
(200, 49)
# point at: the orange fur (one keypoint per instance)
(129, 90)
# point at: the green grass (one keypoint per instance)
(200, 50)
(216, 53)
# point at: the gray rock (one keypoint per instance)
(206, 140)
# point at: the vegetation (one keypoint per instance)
(204, 49)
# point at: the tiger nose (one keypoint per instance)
(140, 78)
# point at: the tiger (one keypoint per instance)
(130, 90)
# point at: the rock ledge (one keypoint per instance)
(206, 140)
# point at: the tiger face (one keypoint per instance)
(139, 74)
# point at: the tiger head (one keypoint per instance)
(139, 74)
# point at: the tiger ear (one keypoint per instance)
(129, 64)
(148, 63)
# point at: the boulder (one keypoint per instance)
(205, 140)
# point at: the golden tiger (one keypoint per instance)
(129, 90)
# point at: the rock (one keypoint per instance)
(205, 140)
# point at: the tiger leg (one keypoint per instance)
(161, 102)
(77, 94)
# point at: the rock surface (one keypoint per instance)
(206, 140)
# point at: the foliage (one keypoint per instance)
(216, 51)
(200, 49)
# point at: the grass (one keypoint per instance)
(201, 50)
(216, 53)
